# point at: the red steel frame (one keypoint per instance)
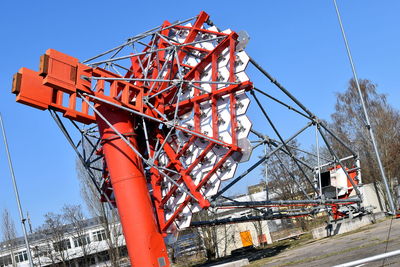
(63, 79)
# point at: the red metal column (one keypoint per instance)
(144, 240)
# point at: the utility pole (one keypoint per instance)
(21, 215)
(367, 122)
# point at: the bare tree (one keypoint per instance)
(258, 223)
(349, 123)
(9, 233)
(285, 179)
(208, 233)
(73, 215)
(56, 244)
(108, 215)
(290, 180)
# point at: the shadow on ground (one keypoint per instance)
(251, 254)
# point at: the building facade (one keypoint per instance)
(88, 246)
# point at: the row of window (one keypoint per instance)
(84, 240)
(102, 256)
(99, 235)
(19, 257)
(65, 244)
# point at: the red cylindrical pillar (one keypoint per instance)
(144, 240)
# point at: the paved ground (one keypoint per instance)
(343, 248)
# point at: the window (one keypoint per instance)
(21, 256)
(103, 256)
(90, 260)
(62, 245)
(123, 251)
(82, 240)
(5, 260)
(99, 235)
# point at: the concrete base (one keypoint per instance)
(239, 263)
(345, 225)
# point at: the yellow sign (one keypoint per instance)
(247, 240)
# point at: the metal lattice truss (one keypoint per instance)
(195, 90)
(185, 86)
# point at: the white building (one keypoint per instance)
(69, 249)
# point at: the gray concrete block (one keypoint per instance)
(345, 225)
(239, 263)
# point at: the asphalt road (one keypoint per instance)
(344, 248)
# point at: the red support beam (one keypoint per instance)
(143, 237)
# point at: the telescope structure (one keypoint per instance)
(164, 119)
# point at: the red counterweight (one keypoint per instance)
(57, 83)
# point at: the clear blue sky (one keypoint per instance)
(299, 42)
